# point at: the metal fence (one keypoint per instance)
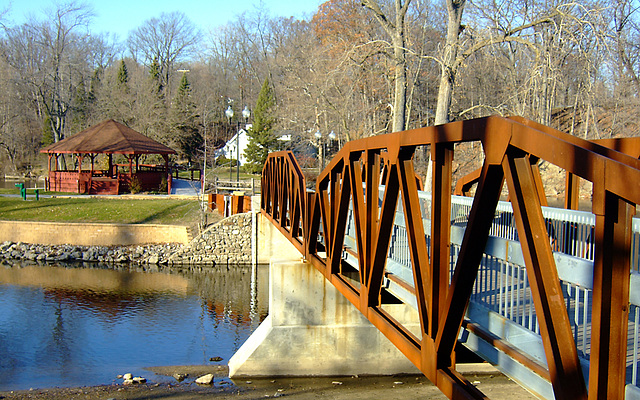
(502, 287)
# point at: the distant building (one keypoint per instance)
(230, 149)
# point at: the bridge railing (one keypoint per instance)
(372, 176)
(502, 295)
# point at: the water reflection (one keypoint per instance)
(28, 183)
(73, 326)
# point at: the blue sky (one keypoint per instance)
(122, 16)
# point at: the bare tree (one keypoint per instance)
(396, 30)
(450, 61)
(169, 39)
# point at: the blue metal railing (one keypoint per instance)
(501, 301)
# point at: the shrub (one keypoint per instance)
(135, 186)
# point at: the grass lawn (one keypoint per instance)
(78, 209)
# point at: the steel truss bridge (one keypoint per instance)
(550, 296)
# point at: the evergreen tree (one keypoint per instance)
(154, 71)
(185, 127)
(80, 108)
(47, 132)
(123, 77)
(96, 83)
(262, 140)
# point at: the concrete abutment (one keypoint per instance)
(312, 329)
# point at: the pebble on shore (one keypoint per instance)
(205, 379)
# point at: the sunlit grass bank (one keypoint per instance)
(108, 210)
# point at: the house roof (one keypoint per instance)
(108, 137)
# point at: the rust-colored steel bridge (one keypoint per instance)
(346, 229)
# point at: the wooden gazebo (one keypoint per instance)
(108, 138)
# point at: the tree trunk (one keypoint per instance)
(399, 50)
(397, 33)
(450, 61)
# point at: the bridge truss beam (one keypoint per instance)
(377, 175)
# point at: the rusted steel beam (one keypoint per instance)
(312, 225)
(610, 311)
(464, 185)
(455, 386)
(359, 210)
(371, 169)
(555, 327)
(416, 240)
(438, 285)
(341, 194)
(572, 192)
(383, 230)
(466, 269)
(580, 157)
(507, 349)
(537, 179)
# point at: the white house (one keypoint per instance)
(230, 149)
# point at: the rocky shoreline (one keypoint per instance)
(227, 242)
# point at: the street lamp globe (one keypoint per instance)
(318, 135)
(229, 112)
(332, 136)
(246, 113)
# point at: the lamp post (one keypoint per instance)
(246, 114)
(332, 137)
(229, 113)
(318, 136)
(321, 149)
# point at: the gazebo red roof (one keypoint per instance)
(108, 137)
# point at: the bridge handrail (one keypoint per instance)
(512, 148)
(503, 288)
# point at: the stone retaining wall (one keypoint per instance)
(83, 234)
(228, 241)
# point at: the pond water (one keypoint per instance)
(29, 183)
(69, 325)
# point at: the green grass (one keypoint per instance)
(77, 209)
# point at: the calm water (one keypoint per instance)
(29, 183)
(73, 326)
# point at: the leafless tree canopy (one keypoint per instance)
(356, 68)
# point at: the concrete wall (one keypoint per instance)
(272, 244)
(312, 329)
(90, 234)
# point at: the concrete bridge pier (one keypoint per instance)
(312, 330)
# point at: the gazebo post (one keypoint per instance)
(79, 157)
(167, 172)
(48, 181)
(110, 172)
